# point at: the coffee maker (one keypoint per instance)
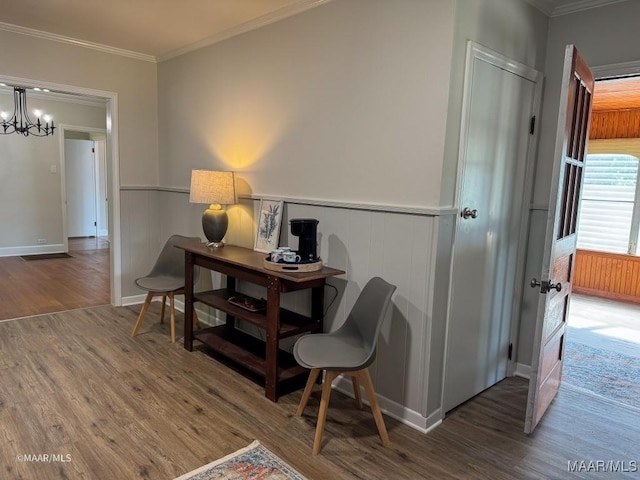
(307, 230)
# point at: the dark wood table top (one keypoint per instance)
(248, 258)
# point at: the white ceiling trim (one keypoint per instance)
(74, 41)
(545, 6)
(261, 21)
(580, 5)
(617, 70)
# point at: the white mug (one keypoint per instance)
(276, 255)
(290, 257)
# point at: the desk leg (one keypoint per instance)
(188, 301)
(273, 329)
(317, 308)
(317, 313)
(230, 320)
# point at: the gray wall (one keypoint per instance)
(347, 104)
(604, 36)
(518, 31)
(346, 101)
(352, 103)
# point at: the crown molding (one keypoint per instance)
(616, 70)
(261, 21)
(54, 37)
(545, 6)
(580, 5)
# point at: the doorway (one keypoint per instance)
(602, 348)
(85, 183)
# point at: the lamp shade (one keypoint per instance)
(212, 187)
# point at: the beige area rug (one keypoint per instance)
(254, 462)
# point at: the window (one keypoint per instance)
(609, 210)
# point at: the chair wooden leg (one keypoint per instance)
(324, 405)
(164, 301)
(143, 312)
(173, 318)
(196, 321)
(375, 409)
(313, 376)
(356, 392)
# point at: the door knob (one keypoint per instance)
(545, 286)
(468, 213)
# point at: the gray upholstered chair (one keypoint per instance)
(349, 350)
(166, 279)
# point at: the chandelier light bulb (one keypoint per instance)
(47, 118)
(20, 123)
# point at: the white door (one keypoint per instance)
(102, 202)
(80, 188)
(497, 147)
(554, 284)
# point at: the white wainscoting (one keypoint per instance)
(398, 246)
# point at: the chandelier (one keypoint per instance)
(20, 122)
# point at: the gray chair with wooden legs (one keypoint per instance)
(166, 279)
(349, 350)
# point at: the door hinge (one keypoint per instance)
(510, 354)
(93, 150)
(95, 224)
(532, 125)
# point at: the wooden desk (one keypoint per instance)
(263, 359)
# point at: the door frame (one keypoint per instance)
(63, 171)
(113, 170)
(477, 52)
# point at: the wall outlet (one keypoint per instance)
(42, 240)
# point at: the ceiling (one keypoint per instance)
(153, 29)
(616, 94)
(156, 30)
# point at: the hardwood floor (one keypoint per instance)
(78, 386)
(44, 286)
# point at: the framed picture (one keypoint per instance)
(269, 220)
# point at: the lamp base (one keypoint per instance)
(214, 224)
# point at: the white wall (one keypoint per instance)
(31, 196)
(604, 36)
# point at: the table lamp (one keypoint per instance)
(216, 189)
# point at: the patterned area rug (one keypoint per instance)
(254, 462)
(611, 375)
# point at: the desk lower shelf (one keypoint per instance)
(248, 352)
(291, 323)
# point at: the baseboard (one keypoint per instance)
(31, 250)
(401, 413)
(204, 316)
(523, 370)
